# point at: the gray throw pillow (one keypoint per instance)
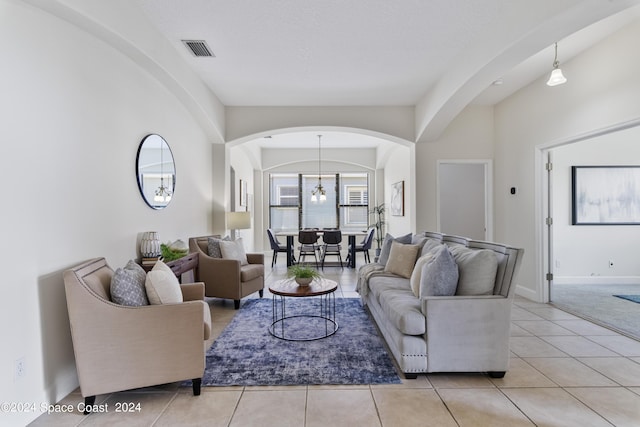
(127, 285)
(213, 246)
(386, 246)
(439, 275)
(478, 268)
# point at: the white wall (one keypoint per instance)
(398, 168)
(602, 90)
(582, 252)
(242, 166)
(74, 111)
(470, 136)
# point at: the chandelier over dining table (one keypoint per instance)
(319, 193)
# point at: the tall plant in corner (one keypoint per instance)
(379, 223)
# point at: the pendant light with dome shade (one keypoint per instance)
(319, 192)
(556, 77)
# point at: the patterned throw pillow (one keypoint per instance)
(127, 285)
(213, 246)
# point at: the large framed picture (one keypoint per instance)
(605, 195)
(243, 193)
(397, 199)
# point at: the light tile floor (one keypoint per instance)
(565, 371)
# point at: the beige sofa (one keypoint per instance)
(457, 333)
(121, 347)
(227, 278)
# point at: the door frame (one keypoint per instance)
(544, 242)
(488, 192)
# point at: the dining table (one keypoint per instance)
(351, 238)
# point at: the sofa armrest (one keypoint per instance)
(192, 291)
(468, 332)
(255, 258)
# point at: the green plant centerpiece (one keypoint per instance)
(302, 274)
(173, 251)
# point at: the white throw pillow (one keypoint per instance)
(162, 285)
(417, 273)
(234, 250)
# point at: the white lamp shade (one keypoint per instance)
(556, 78)
(238, 220)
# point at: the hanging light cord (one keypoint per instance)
(556, 64)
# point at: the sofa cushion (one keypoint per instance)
(439, 275)
(414, 281)
(213, 246)
(251, 271)
(386, 246)
(162, 285)
(127, 285)
(402, 259)
(400, 306)
(234, 250)
(477, 270)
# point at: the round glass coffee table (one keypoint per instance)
(313, 321)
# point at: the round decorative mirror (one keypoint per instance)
(156, 171)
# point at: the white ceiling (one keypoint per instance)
(368, 52)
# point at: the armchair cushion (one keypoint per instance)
(128, 285)
(162, 285)
(234, 250)
(251, 271)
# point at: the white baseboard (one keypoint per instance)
(596, 280)
(527, 293)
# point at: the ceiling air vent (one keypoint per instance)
(198, 47)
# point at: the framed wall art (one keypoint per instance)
(605, 195)
(397, 199)
(243, 193)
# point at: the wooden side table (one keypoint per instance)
(180, 266)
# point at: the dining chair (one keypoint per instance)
(364, 246)
(308, 240)
(332, 240)
(276, 246)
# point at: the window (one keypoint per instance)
(284, 194)
(290, 206)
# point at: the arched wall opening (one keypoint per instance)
(342, 150)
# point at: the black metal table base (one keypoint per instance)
(327, 312)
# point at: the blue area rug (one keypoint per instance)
(634, 298)
(247, 354)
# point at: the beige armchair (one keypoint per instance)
(226, 278)
(120, 347)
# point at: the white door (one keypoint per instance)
(464, 198)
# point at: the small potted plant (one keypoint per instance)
(378, 212)
(302, 274)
